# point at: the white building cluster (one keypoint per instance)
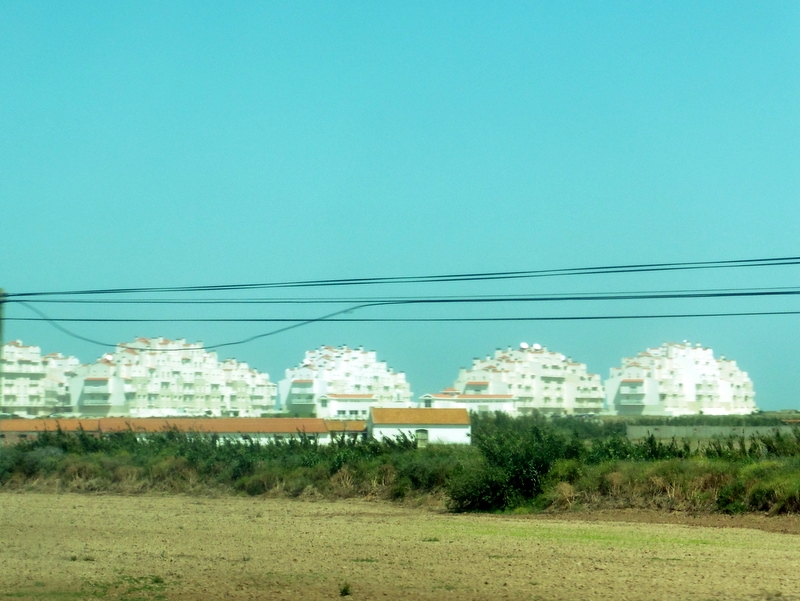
(679, 379)
(170, 378)
(519, 381)
(340, 382)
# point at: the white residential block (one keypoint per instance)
(517, 381)
(679, 379)
(340, 382)
(162, 378)
(32, 385)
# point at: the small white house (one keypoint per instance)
(450, 426)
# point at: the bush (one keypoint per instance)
(483, 489)
(10, 461)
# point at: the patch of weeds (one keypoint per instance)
(131, 588)
(73, 558)
(247, 557)
(430, 540)
(444, 587)
(366, 560)
(344, 590)
(88, 558)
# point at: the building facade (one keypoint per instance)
(448, 426)
(340, 382)
(519, 381)
(161, 378)
(32, 385)
(679, 379)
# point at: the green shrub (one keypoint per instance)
(10, 461)
(566, 470)
(483, 489)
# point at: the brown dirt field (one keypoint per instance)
(71, 546)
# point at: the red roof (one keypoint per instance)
(633, 380)
(222, 425)
(477, 383)
(450, 417)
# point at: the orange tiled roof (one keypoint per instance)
(221, 425)
(449, 417)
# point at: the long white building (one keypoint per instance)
(164, 378)
(340, 382)
(679, 379)
(33, 385)
(517, 381)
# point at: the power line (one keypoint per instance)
(401, 299)
(398, 319)
(505, 298)
(458, 277)
(357, 304)
(332, 317)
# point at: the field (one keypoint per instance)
(71, 546)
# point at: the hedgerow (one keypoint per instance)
(511, 463)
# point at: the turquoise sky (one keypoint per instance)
(181, 143)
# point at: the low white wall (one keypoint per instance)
(436, 433)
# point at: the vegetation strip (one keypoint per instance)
(523, 464)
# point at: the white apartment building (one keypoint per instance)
(517, 381)
(679, 379)
(32, 385)
(340, 382)
(165, 378)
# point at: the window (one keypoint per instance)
(422, 438)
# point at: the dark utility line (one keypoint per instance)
(459, 277)
(402, 299)
(612, 296)
(396, 319)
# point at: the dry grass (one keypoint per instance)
(179, 547)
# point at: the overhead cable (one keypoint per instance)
(458, 277)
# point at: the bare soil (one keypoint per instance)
(72, 546)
